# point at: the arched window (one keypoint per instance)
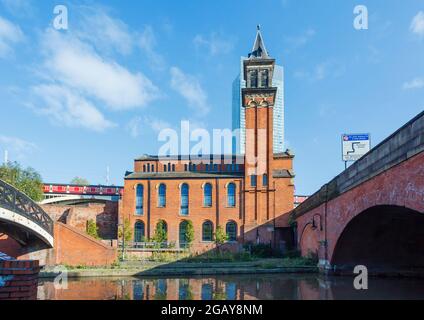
(164, 167)
(265, 180)
(207, 195)
(173, 167)
(139, 200)
(144, 168)
(231, 230)
(139, 231)
(153, 168)
(183, 234)
(231, 195)
(253, 179)
(148, 167)
(184, 199)
(207, 231)
(162, 196)
(169, 167)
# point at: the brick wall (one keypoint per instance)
(18, 280)
(104, 214)
(73, 247)
(219, 213)
(9, 246)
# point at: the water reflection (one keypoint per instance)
(243, 287)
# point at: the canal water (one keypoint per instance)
(231, 287)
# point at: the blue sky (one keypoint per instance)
(74, 102)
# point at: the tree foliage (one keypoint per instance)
(220, 236)
(161, 234)
(80, 181)
(92, 229)
(26, 180)
(126, 233)
(189, 236)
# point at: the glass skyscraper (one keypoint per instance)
(238, 112)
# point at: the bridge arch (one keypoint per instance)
(22, 219)
(383, 238)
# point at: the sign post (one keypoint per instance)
(354, 146)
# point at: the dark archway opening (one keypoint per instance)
(383, 238)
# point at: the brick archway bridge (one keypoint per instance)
(372, 214)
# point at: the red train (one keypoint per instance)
(83, 190)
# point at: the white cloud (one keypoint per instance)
(215, 44)
(300, 40)
(190, 88)
(10, 34)
(66, 107)
(417, 24)
(156, 124)
(75, 64)
(18, 7)
(321, 71)
(17, 147)
(146, 41)
(104, 32)
(134, 127)
(137, 124)
(79, 75)
(416, 83)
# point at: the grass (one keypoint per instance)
(214, 256)
(292, 260)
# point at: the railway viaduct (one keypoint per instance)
(372, 214)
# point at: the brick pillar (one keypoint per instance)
(19, 280)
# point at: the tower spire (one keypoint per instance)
(259, 49)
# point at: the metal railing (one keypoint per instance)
(18, 202)
(154, 245)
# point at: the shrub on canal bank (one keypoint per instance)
(218, 256)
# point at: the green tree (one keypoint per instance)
(92, 229)
(126, 233)
(189, 235)
(26, 180)
(220, 237)
(161, 235)
(80, 181)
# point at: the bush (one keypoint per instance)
(260, 250)
(220, 237)
(92, 229)
(292, 254)
(161, 235)
(126, 232)
(299, 262)
(218, 256)
(189, 235)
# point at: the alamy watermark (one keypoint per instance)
(360, 22)
(60, 21)
(361, 280)
(61, 280)
(200, 147)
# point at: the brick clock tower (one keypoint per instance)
(269, 189)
